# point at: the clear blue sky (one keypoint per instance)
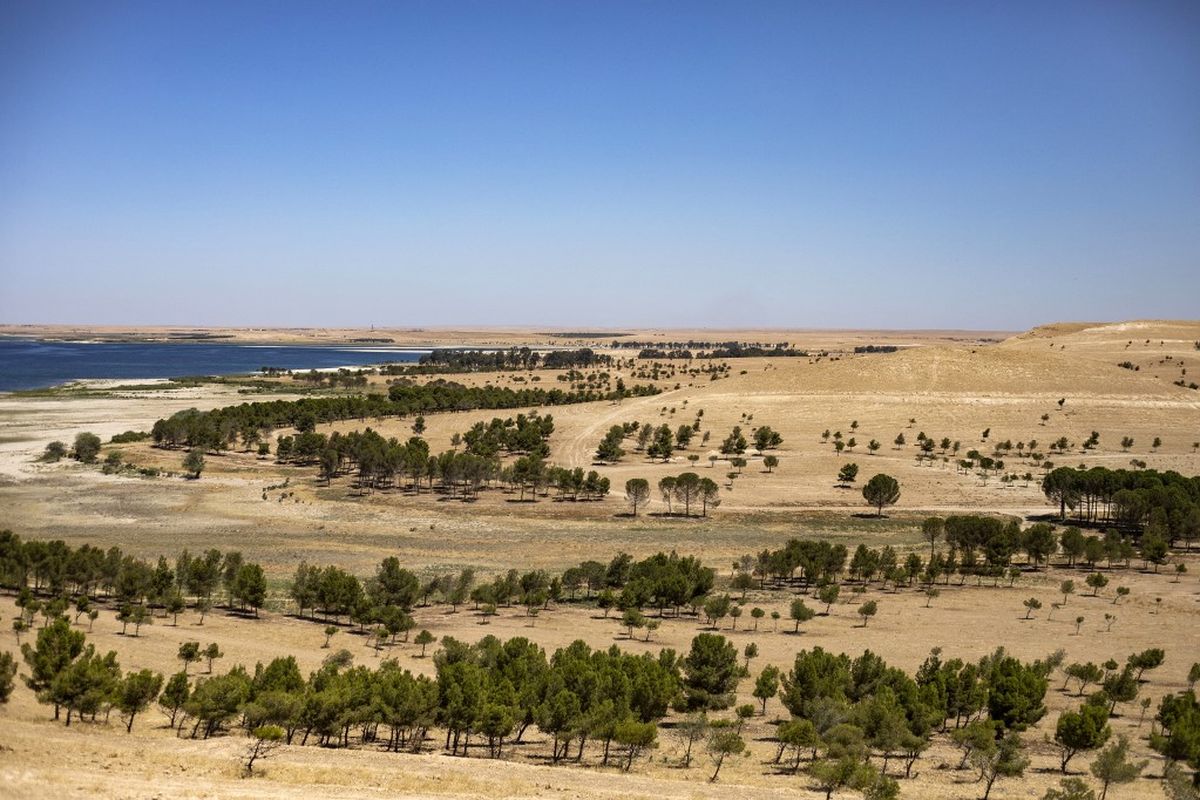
(957, 164)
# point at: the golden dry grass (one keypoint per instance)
(967, 622)
(953, 384)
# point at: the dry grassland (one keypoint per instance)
(955, 385)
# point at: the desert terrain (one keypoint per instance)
(1068, 380)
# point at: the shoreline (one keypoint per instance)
(51, 384)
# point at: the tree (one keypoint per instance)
(1039, 543)
(211, 654)
(723, 742)
(1031, 605)
(250, 587)
(717, 608)
(175, 604)
(828, 594)
(766, 685)
(1152, 658)
(1070, 789)
(424, 638)
(1003, 759)
(136, 692)
(189, 653)
(636, 737)
(687, 490)
(55, 451)
(770, 462)
(735, 613)
(799, 613)
(873, 446)
(1067, 588)
(1016, 692)
(1155, 549)
(1085, 729)
(735, 443)
(882, 490)
(710, 672)
(8, 671)
(843, 764)
(1113, 766)
(637, 492)
(692, 728)
(798, 734)
(765, 438)
(932, 530)
(56, 647)
(633, 619)
(85, 685)
(709, 495)
(663, 443)
(87, 447)
(203, 605)
(496, 721)
(265, 739)
(1086, 673)
(868, 610)
(1097, 581)
(610, 449)
(847, 474)
(1120, 687)
(193, 462)
(758, 614)
(174, 695)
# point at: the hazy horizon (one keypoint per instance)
(765, 165)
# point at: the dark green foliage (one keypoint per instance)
(193, 462)
(882, 490)
(1179, 739)
(609, 450)
(85, 685)
(735, 443)
(514, 358)
(1113, 766)
(1085, 729)
(136, 692)
(219, 428)
(1129, 499)
(1016, 692)
(87, 447)
(710, 673)
(8, 671)
(56, 647)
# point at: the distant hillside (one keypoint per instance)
(1163, 350)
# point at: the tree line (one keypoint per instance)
(75, 574)
(849, 719)
(513, 358)
(1164, 503)
(222, 427)
(379, 463)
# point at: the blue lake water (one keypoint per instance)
(32, 364)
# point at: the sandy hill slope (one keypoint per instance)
(961, 369)
(1165, 350)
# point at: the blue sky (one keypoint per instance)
(851, 164)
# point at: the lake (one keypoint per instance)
(34, 364)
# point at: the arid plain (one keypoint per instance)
(1055, 381)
